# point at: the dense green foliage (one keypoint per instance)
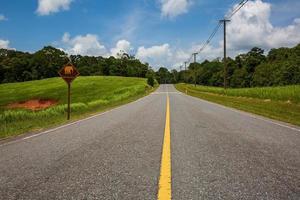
(289, 93)
(253, 69)
(279, 67)
(281, 103)
(150, 81)
(164, 76)
(16, 66)
(100, 92)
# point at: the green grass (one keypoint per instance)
(89, 95)
(280, 103)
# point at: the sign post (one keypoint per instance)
(69, 100)
(68, 73)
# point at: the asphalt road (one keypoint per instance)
(216, 153)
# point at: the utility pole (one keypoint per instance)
(195, 57)
(195, 71)
(179, 75)
(224, 21)
(185, 71)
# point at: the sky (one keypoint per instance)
(160, 32)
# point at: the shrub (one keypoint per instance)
(150, 81)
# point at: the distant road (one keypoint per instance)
(215, 153)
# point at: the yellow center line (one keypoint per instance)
(165, 190)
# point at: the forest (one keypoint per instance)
(16, 66)
(253, 69)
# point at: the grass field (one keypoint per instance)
(280, 103)
(89, 95)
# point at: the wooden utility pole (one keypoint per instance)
(195, 70)
(185, 71)
(224, 21)
(180, 73)
(195, 57)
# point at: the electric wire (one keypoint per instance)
(241, 4)
(215, 30)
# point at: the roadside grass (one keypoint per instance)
(88, 95)
(280, 103)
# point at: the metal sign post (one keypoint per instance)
(69, 100)
(69, 73)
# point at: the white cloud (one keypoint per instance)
(155, 55)
(46, 7)
(162, 56)
(121, 46)
(88, 44)
(173, 8)
(4, 44)
(2, 18)
(251, 26)
(209, 53)
(179, 56)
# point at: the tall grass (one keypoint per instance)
(89, 94)
(283, 93)
(254, 100)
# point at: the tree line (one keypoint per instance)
(253, 69)
(17, 66)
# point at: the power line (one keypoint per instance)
(190, 59)
(224, 21)
(212, 35)
(215, 30)
(241, 4)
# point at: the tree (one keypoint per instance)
(239, 78)
(280, 67)
(163, 75)
(150, 81)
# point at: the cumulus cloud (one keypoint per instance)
(2, 17)
(4, 44)
(121, 46)
(251, 26)
(167, 56)
(155, 55)
(88, 44)
(209, 53)
(162, 56)
(173, 8)
(46, 7)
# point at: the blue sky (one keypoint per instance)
(161, 32)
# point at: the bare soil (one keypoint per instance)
(34, 104)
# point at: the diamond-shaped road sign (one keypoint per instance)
(68, 73)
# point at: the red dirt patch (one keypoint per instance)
(34, 104)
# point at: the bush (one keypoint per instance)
(150, 81)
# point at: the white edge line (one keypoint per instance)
(72, 123)
(246, 113)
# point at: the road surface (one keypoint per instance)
(214, 153)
